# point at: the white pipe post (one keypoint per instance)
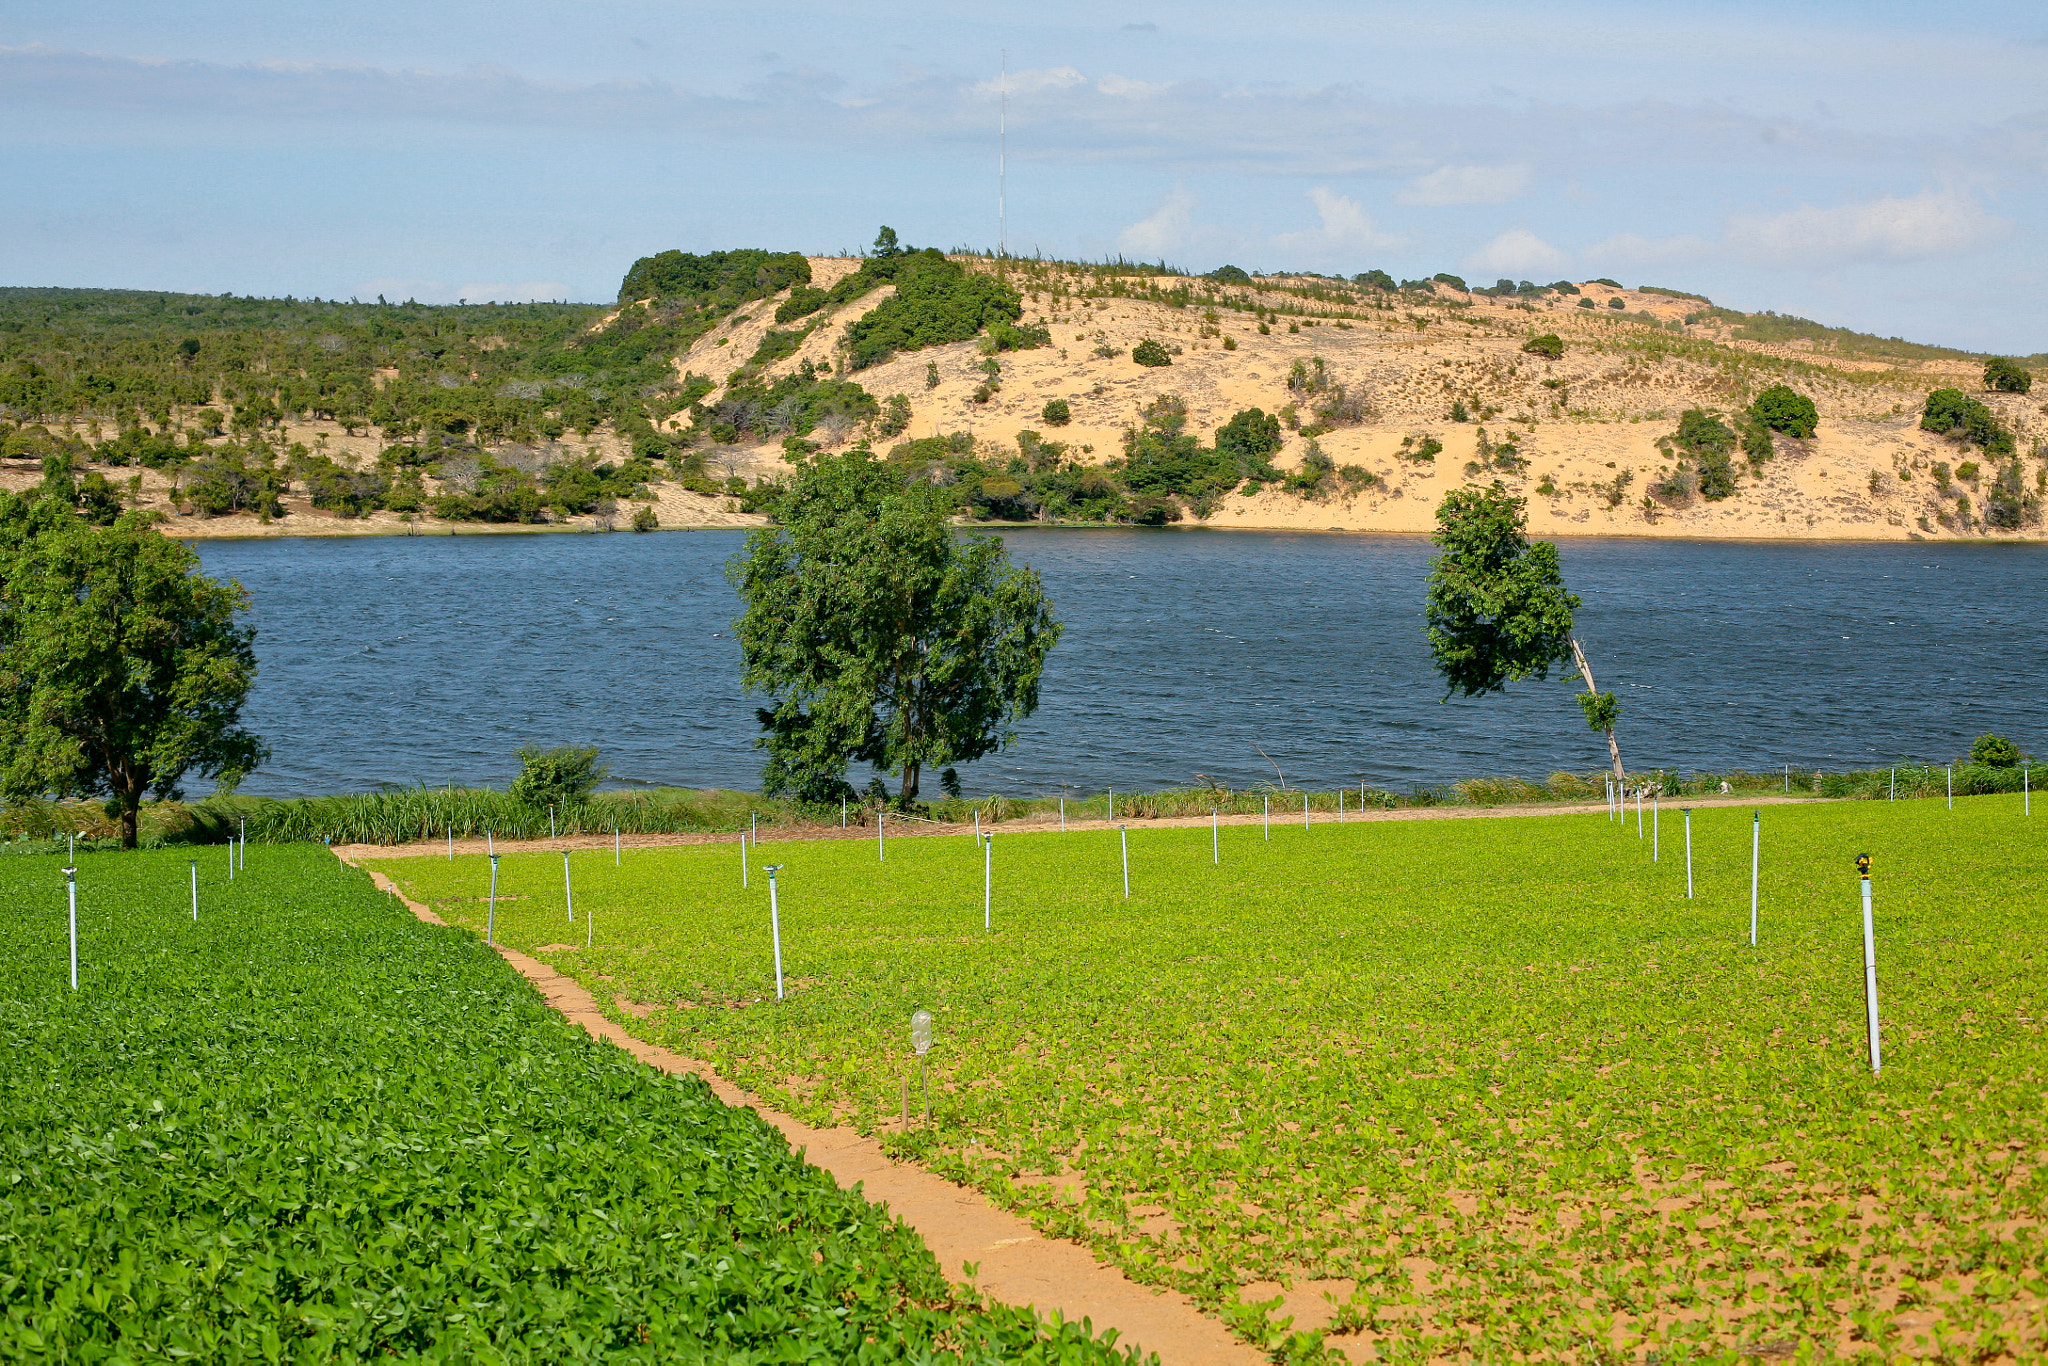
(1895, 787)
(615, 844)
(1788, 778)
(568, 892)
(1340, 806)
(491, 919)
(490, 844)
(71, 891)
(977, 825)
(1112, 804)
(1639, 813)
(754, 827)
(551, 822)
(1215, 839)
(775, 926)
(987, 880)
(195, 889)
(1688, 853)
(881, 849)
(1756, 844)
(1269, 817)
(2027, 790)
(589, 930)
(1870, 969)
(1304, 808)
(743, 859)
(451, 844)
(1656, 811)
(231, 858)
(1063, 813)
(1951, 787)
(245, 844)
(1124, 838)
(71, 847)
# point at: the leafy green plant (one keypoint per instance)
(1995, 751)
(563, 776)
(2007, 376)
(645, 519)
(313, 1112)
(1150, 352)
(1782, 409)
(935, 302)
(1548, 345)
(1056, 413)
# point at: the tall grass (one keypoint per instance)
(406, 815)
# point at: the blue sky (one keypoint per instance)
(1882, 166)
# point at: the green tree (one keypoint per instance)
(121, 666)
(1783, 409)
(1995, 751)
(1497, 608)
(2007, 376)
(562, 776)
(1056, 412)
(1549, 346)
(1150, 352)
(877, 635)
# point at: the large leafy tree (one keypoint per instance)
(121, 667)
(1498, 609)
(880, 636)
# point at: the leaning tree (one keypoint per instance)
(1498, 609)
(877, 634)
(122, 668)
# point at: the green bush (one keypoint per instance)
(2007, 376)
(1251, 434)
(1995, 751)
(1549, 346)
(1707, 441)
(1784, 410)
(894, 418)
(644, 518)
(935, 302)
(731, 277)
(1616, 303)
(1954, 413)
(1455, 282)
(563, 776)
(1150, 352)
(1585, 303)
(803, 301)
(1056, 412)
(1229, 275)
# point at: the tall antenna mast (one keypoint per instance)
(1003, 164)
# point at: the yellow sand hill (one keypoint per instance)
(1584, 421)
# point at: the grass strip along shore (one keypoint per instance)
(307, 1126)
(407, 815)
(1411, 1090)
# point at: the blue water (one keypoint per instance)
(431, 659)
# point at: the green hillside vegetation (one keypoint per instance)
(306, 1126)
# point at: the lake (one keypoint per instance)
(432, 658)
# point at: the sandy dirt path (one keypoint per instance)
(1040, 825)
(1015, 1263)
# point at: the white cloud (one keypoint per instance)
(1031, 81)
(1466, 185)
(1123, 87)
(1516, 252)
(1164, 232)
(1345, 229)
(1931, 223)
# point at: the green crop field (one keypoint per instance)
(309, 1127)
(1497, 1087)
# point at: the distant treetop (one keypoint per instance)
(719, 277)
(1229, 275)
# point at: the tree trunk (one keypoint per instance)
(908, 792)
(1586, 672)
(131, 803)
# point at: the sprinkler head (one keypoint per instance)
(1863, 865)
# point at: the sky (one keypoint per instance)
(1882, 166)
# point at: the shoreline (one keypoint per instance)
(447, 529)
